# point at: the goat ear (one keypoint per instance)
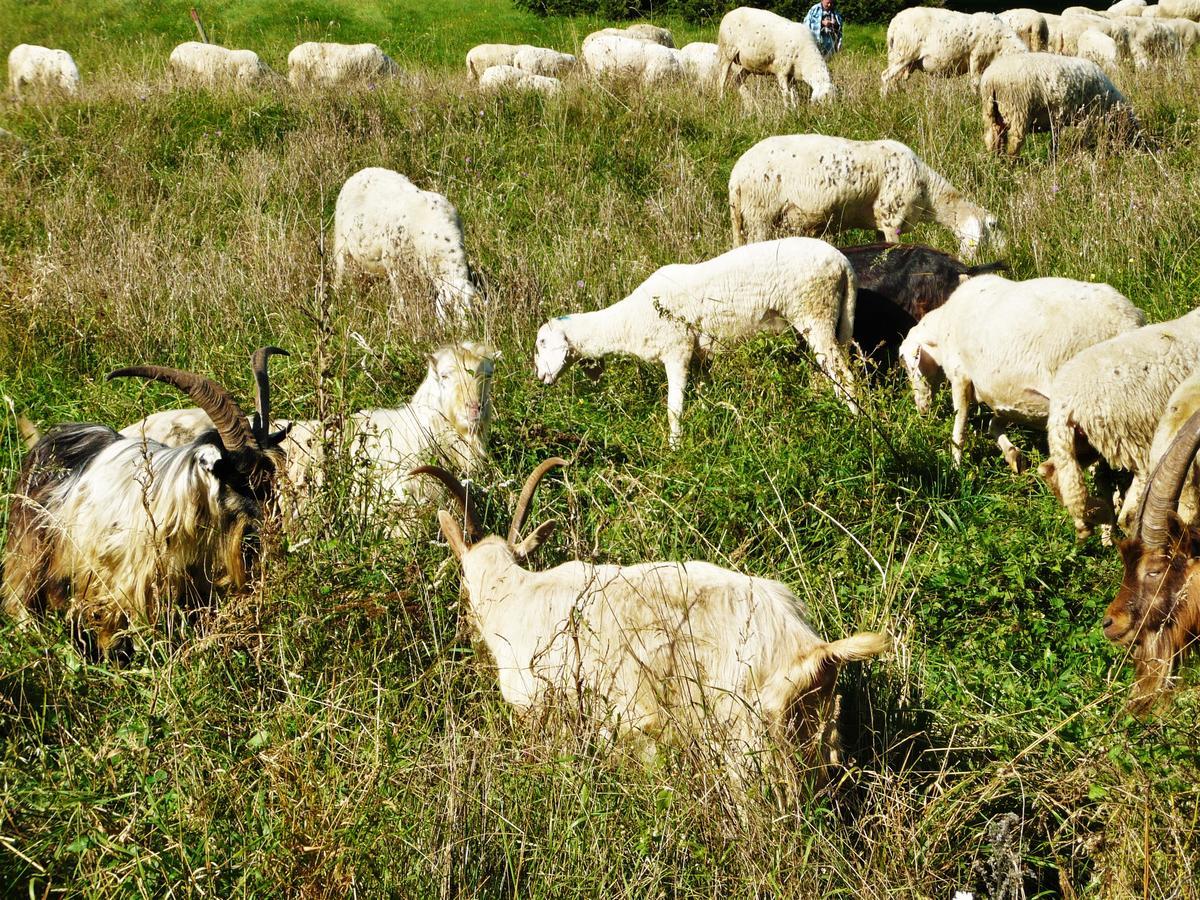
(453, 533)
(1181, 536)
(539, 536)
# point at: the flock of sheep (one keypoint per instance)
(111, 526)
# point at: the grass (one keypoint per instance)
(333, 733)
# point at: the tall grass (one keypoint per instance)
(333, 734)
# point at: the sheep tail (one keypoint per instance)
(848, 292)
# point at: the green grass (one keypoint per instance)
(333, 733)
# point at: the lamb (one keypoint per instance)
(511, 77)
(659, 652)
(447, 420)
(41, 70)
(813, 184)
(526, 57)
(1105, 404)
(1031, 27)
(684, 311)
(1000, 342)
(211, 66)
(1156, 612)
(1042, 91)
(758, 42)
(701, 62)
(385, 225)
(646, 62)
(118, 532)
(640, 31)
(945, 43)
(897, 285)
(324, 65)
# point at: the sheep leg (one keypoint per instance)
(1012, 454)
(1068, 475)
(786, 88)
(677, 378)
(963, 393)
(832, 359)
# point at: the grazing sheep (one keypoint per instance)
(814, 184)
(483, 56)
(1105, 405)
(41, 70)
(614, 56)
(447, 421)
(1045, 92)
(512, 77)
(684, 311)
(758, 42)
(1156, 612)
(385, 225)
(526, 57)
(999, 342)
(945, 43)
(897, 285)
(1031, 27)
(323, 65)
(1099, 48)
(1180, 9)
(118, 531)
(1127, 8)
(661, 652)
(639, 32)
(701, 62)
(207, 65)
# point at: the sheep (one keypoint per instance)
(1156, 612)
(659, 652)
(1182, 405)
(526, 57)
(813, 184)
(640, 31)
(385, 225)
(1000, 342)
(512, 77)
(1105, 404)
(701, 62)
(208, 65)
(614, 56)
(1127, 8)
(41, 70)
(118, 531)
(448, 420)
(1042, 91)
(758, 42)
(1180, 9)
(483, 56)
(1099, 48)
(323, 65)
(684, 311)
(945, 43)
(1031, 27)
(897, 285)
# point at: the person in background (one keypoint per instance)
(825, 23)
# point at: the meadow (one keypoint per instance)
(333, 734)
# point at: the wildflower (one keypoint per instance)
(579, 284)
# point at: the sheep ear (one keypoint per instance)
(453, 533)
(539, 536)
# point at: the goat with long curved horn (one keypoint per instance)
(1166, 483)
(260, 424)
(460, 493)
(226, 415)
(531, 483)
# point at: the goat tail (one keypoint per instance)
(857, 647)
(848, 292)
(988, 269)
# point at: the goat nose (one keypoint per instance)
(1107, 623)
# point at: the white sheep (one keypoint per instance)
(528, 58)
(999, 342)
(759, 42)
(495, 77)
(640, 31)
(1043, 91)
(447, 420)
(482, 57)
(1183, 404)
(324, 65)
(385, 225)
(1127, 8)
(813, 184)
(945, 43)
(1100, 48)
(208, 65)
(1031, 27)
(41, 70)
(684, 311)
(1107, 402)
(646, 62)
(660, 652)
(1180, 9)
(701, 62)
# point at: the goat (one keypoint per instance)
(117, 530)
(660, 651)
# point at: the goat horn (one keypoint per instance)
(224, 411)
(1162, 493)
(461, 494)
(531, 483)
(262, 390)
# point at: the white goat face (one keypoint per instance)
(551, 353)
(463, 375)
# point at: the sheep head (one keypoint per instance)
(553, 352)
(1157, 608)
(977, 230)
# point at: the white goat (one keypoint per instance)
(759, 42)
(119, 531)
(385, 225)
(1000, 342)
(684, 311)
(659, 652)
(814, 184)
(42, 70)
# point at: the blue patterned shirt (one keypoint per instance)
(829, 35)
